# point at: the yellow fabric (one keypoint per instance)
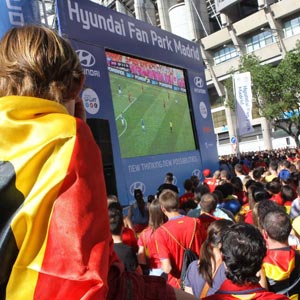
(244, 297)
(36, 143)
(277, 273)
(296, 225)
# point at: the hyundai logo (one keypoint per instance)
(137, 185)
(199, 82)
(86, 58)
(197, 173)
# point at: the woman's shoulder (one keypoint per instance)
(193, 268)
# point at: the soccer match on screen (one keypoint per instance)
(151, 107)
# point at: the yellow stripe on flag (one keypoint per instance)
(39, 146)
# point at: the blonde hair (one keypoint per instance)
(35, 61)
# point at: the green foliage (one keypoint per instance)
(276, 90)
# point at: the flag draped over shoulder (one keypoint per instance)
(279, 263)
(55, 241)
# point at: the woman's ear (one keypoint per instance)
(265, 234)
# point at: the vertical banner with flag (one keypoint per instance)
(243, 102)
(17, 13)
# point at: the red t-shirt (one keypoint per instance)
(129, 238)
(277, 198)
(206, 219)
(182, 228)
(211, 183)
(184, 198)
(147, 240)
(249, 217)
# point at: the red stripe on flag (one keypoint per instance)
(78, 250)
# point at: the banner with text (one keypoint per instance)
(243, 102)
(17, 13)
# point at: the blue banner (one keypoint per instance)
(17, 13)
(149, 85)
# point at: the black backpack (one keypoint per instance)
(188, 255)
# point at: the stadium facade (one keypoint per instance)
(225, 30)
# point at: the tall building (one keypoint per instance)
(225, 30)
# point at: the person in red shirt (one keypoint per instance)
(274, 189)
(147, 254)
(211, 182)
(188, 195)
(178, 233)
(256, 193)
(288, 194)
(243, 249)
(208, 204)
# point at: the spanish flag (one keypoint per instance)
(55, 241)
(279, 263)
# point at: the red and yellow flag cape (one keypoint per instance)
(55, 241)
(279, 263)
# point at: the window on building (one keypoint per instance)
(214, 98)
(259, 41)
(224, 54)
(291, 27)
(219, 118)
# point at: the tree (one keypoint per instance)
(276, 90)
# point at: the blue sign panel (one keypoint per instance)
(233, 140)
(17, 13)
(149, 86)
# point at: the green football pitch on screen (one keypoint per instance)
(150, 120)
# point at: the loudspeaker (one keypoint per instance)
(101, 133)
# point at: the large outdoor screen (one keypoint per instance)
(150, 105)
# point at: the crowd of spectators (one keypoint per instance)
(257, 190)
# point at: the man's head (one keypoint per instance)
(188, 185)
(262, 208)
(273, 166)
(208, 203)
(226, 188)
(277, 226)
(138, 194)
(238, 168)
(115, 218)
(200, 191)
(288, 193)
(168, 201)
(243, 250)
(169, 177)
